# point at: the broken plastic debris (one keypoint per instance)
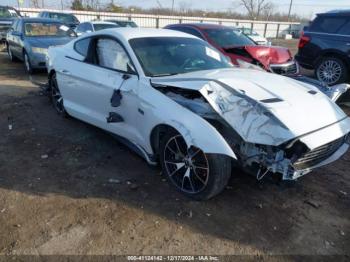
(44, 156)
(10, 127)
(114, 181)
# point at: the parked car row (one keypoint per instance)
(197, 99)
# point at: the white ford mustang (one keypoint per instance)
(176, 100)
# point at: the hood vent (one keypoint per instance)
(271, 100)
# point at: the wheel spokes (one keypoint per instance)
(188, 171)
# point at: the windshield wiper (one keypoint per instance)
(160, 75)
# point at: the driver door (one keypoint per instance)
(103, 88)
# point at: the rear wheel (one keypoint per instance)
(192, 172)
(331, 71)
(10, 54)
(56, 97)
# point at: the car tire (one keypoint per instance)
(331, 70)
(56, 97)
(27, 64)
(198, 175)
(10, 54)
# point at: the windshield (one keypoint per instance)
(66, 18)
(160, 56)
(228, 37)
(126, 24)
(8, 13)
(47, 29)
(103, 26)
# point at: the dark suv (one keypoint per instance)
(7, 16)
(325, 47)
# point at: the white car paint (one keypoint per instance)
(292, 111)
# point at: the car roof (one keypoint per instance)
(100, 23)
(53, 12)
(340, 12)
(39, 19)
(130, 33)
(201, 25)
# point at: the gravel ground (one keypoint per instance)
(69, 188)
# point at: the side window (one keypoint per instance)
(190, 31)
(324, 24)
(88, 27)
(14, 26)
(81, 27)
(19, 27)
(345, 29)
(111, 54)
(82, 46)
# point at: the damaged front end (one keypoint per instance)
(261, 142)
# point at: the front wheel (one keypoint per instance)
(193, 172)
(27, 64)
(331, 71)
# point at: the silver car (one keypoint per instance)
(29, 38)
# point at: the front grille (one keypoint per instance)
(285, 70)
(318, 155)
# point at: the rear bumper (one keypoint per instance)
(305, 62)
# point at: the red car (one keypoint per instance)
(240, 49)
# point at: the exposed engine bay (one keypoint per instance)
(291, 159)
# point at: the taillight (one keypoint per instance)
(303, 40)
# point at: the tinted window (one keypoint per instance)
(66, 18)
(82, 46)
(188, 30)
(228, 37)
(99, 27)
(345, 29)
(329, 25)
(111, 54)
(84, 27)
(161, 56)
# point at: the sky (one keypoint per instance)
(306, 8)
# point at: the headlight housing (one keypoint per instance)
(39, 50)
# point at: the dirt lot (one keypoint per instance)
(57, 196)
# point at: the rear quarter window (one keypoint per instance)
(82, 46)
(331, 25)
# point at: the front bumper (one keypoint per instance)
(289, 68)
(37, 60)
(295, 174)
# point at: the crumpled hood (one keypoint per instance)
(263, 108)
(266, 55)
(48, 41)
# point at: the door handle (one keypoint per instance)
(66, 72)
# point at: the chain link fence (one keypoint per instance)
(267, 29)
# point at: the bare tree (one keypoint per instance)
(184, 7)
(34, 3)
(255, 8)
